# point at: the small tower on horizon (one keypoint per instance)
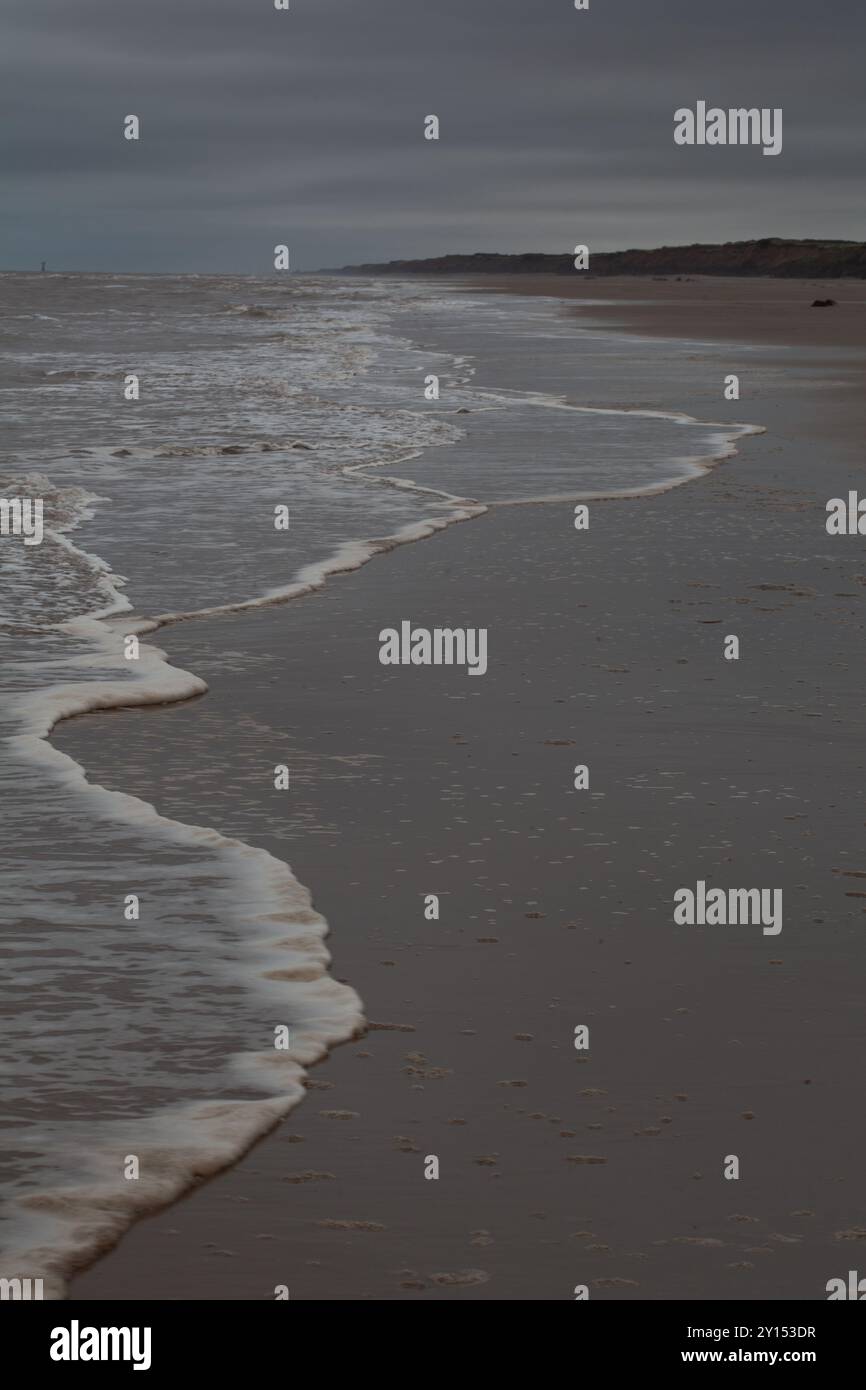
(42, 267)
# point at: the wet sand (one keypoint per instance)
(557, 1167)
(753, 310)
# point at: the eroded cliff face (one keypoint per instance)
(769, 256)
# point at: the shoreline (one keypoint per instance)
(161, 684)
(332, 597)
(102, 1219)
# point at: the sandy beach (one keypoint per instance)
(756, 309)
(559, 1167)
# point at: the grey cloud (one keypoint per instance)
(259, 126)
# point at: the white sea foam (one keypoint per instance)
(279, 947)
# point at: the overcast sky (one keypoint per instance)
(306, 127)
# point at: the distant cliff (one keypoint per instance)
(814, 260)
